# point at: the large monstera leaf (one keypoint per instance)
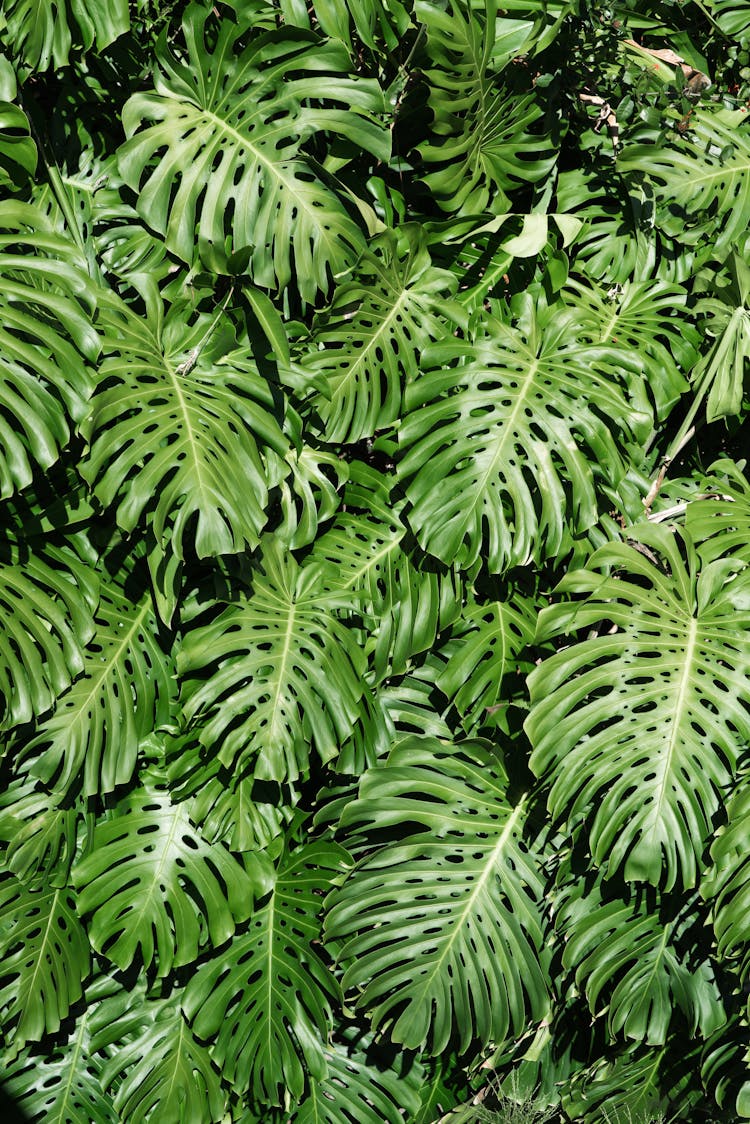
(218, 144)
(46, 334)
(93, 735)
(640, 725)
(368, 344)
(700, 176)
(276, 673)
(45, 959)
(46, 617)
(479, 130)
(640, 316)
(266, 998)
(441, 933)
(501, 452)
(181, 430)
(153, 886)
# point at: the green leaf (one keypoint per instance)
(41, 32)
(18, 154)
(479, 132)
(405, 605)
(45, 958)
(360, 1085)
(721, 371)
(124, 691)
(645, 318)
(266, 998)
(483, 648)
(627, 961)
(159, 1069)
(640, 724)
(153, 886)
(205, 148)
(700, 177)
(179, 431)
(368, 343)
(501, 451)
(46, 602)
(276, 674)
(46, 299)
(61, 1085)
(39, 832)
(728, 884)
(720, 521)
(441, 931)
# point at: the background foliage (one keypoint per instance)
(375, 600)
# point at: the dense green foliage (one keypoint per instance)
(375, 552)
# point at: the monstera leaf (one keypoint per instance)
(479, 130)
(628, 962)
(359, 1086)
(266, 998)
(62, 1085)
(123, 693)
(157, 1066)
(700, 177)
(641, 724)
(441, 933)
(153, 886)
(46, 302)
(41, 32)
(493, 440)
(638, 317)
(275, 674)
(719, 522)
(484, 646)
(219, 144)
(46, 602)
(178, 430)
(728, 886)
(45, 958)
(365, 555)
(367, 344)
(39, 832)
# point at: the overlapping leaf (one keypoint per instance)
(627, 960)
(275, 674)
(178, 430)
(46, 334)
(368, 343)
(45, 960)
(700, 175)
(46, 602)
(641, 725)
(364, 551)
(154, 888)
(500, 450)
(459, 954)
(266, 1000)
(124, 692)
(218, 145)
(158, 1068)
(42, 32)
(480, 137)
